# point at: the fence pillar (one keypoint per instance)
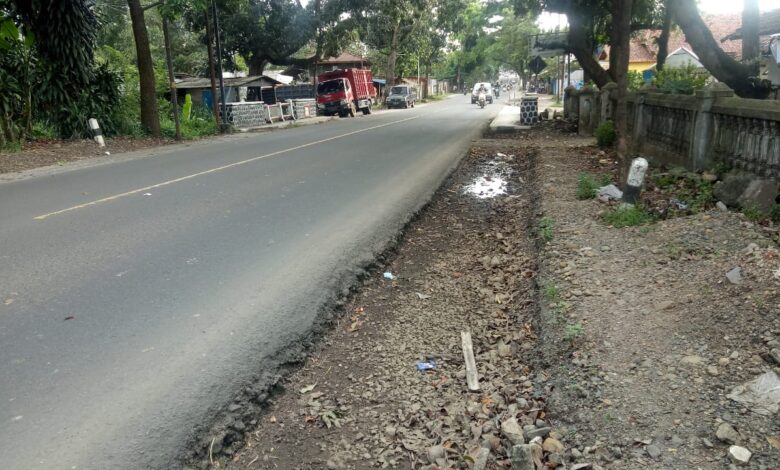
(701, 152)
(587, 109)
(608, 97)
(571, 103)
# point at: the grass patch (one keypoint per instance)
(551, 293)
(588, 185)
(689, 189)
(573, 331)
(753, 213)
(628, 216)
(756, 215)
(546, 229)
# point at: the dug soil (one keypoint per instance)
(595, 347)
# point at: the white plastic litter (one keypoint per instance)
(761, 395)
(608, 193)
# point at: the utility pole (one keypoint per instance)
(171, 78)
(219, 64)
(419, 85)
(212, 71)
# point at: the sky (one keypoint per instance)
(548, 21)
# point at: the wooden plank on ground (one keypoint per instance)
(472, 379)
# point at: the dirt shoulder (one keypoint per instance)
(466, 264)
(48, 153)
(596, 347)
(662, 335)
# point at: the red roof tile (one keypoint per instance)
(644, 46)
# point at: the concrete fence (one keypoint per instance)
(692, 131)
(251, 114)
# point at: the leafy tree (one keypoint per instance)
(47, 68)
(264, 31)
(386, 25)
(511, 41)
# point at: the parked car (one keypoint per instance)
(488, 93)
(402, 96)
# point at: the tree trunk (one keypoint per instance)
(739, 77)
(212, 70)
(256, 66)
(149, 114)
(750, 33)
(621, 45)
(613, 59)
(579, 45)
(663, 39)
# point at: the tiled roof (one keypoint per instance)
(251, 81)
(644, 46)
(769, 23)
(344, 58)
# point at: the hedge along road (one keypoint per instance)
(137, 297)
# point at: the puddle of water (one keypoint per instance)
(492, 182)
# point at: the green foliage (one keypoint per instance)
(628, 216)
(754, 213)
(588, 185)
(774, 213)
(551, 293)
(686, 186)
(635, 80)
(43, 130)
(680, 80)
(97, 100)
(65, 33)
(573, 331)
(546, 229)
(186, 110)
(606, 135)
(263, 31)
(200, 124)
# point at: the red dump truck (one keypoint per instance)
(344, 92)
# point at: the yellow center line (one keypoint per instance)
(214, 170)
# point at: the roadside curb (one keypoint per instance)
(507, 120)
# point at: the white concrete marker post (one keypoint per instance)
(94, 127)
(636, 176)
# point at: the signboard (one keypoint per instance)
(536, 65)
(549, 44)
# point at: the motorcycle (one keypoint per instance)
(481, 99)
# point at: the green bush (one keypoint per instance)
(628, 216)
(588, 185)
(605, 134)
(201, 122)
(43, 130)
(680, 80)
(635, 80)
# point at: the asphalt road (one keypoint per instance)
(138, 296)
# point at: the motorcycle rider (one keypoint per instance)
(481, 95)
